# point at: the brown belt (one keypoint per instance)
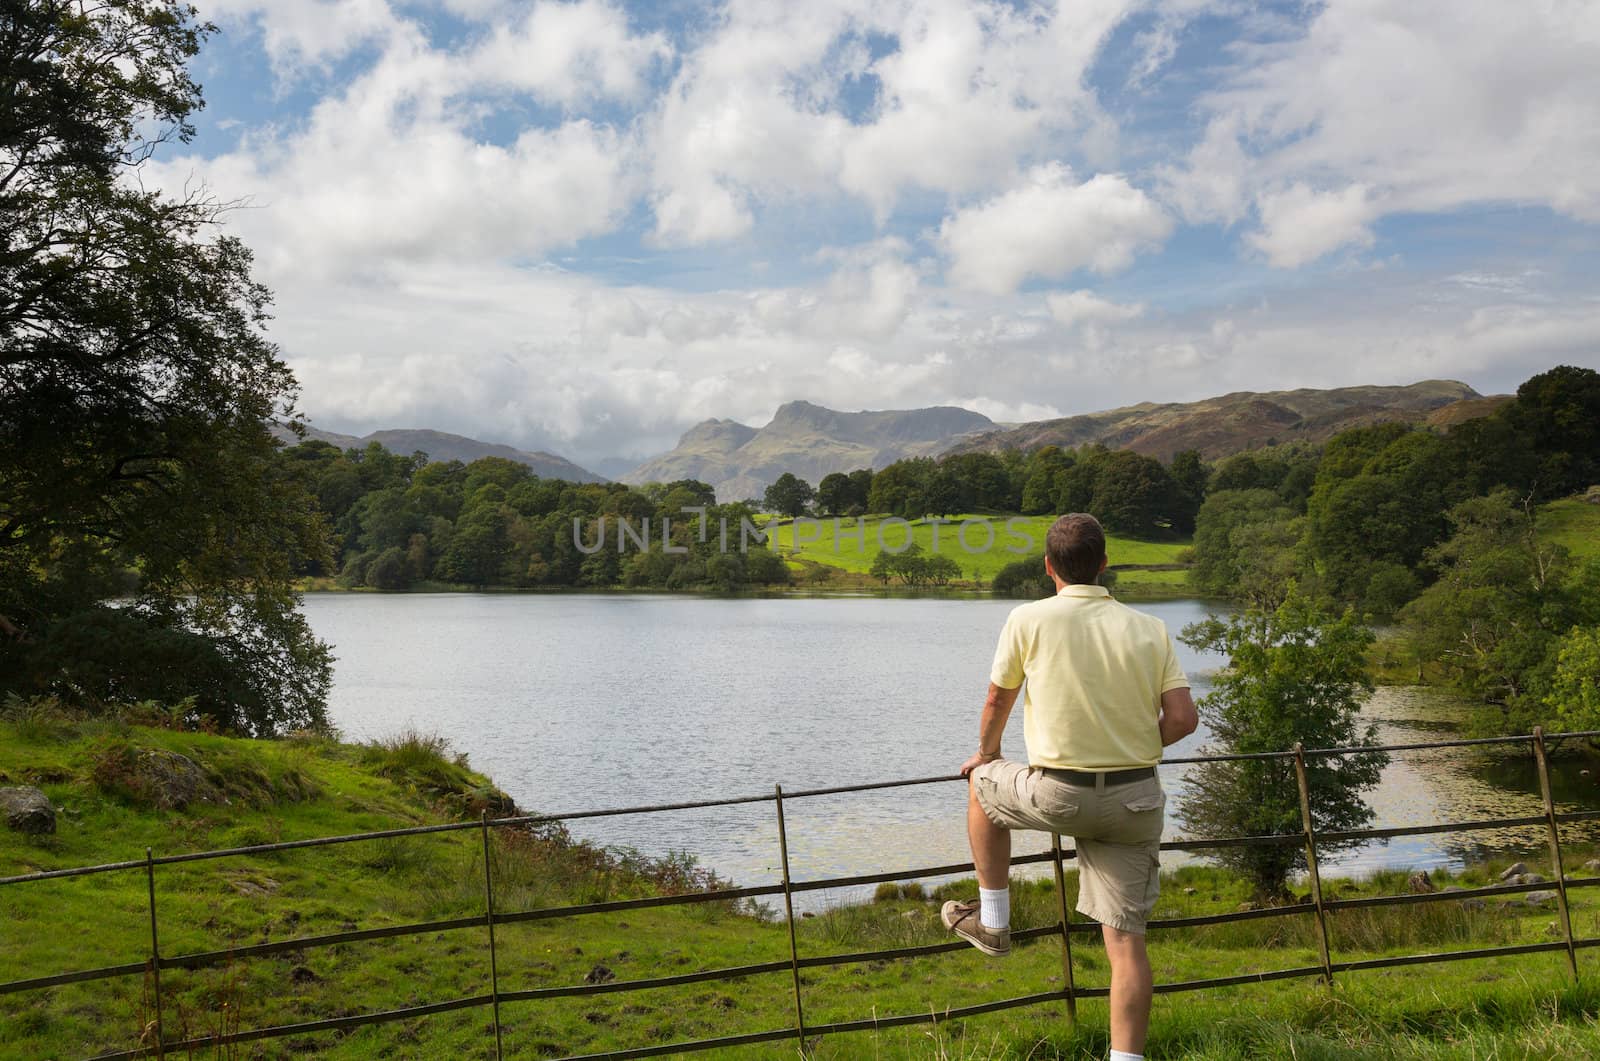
(1112, 777)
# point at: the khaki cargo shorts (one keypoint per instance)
(1117, 830)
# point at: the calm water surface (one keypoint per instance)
(577, 702)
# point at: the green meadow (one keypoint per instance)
(987, 544)
(1574, 523)
(1521, 1006)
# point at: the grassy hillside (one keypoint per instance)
(844, 552)
(1508, 1007)
(1574, 523)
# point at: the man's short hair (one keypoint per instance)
(1076, 546)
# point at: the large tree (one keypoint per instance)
(136, 387)
(1295, 674)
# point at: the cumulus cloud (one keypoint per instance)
(1427, 106)
(1049, 226)
(1300, 225)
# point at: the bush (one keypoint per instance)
(1023, 579)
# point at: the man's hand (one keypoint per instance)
(977, 760)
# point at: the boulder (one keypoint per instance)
(1533, 878)
(27, 810)
(1539, 898)
(1419, 884)
(1593, 865)
(1473, 903)
(1513, 870)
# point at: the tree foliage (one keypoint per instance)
(136, 387)
(1295, 675)
(789, 495)
(1502, 601)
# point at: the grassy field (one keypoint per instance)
(1574, 524)
(1508, 1007)
(1014, 538)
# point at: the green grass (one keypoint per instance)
(843, 551)
(1573, 523)
(1509, 1007)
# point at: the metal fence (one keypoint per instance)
(803, 1032)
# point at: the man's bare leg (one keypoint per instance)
(1131, 984)
(991, 845)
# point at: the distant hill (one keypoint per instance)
(1228, 424)
(740, 461)
(442, 446)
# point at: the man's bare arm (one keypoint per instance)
(996, 710)
(1178, 716)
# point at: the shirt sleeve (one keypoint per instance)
(1172, 676)
(1008, 656)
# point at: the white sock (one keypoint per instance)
(994, 907)
(1123, 1055)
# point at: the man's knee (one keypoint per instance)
(1119, 942)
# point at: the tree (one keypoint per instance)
(1189, 477)
(1559, 413)
(1502, 600)
(789, 496)
(834, 494)
(136, 387)
(1295, 675)
(1572, 695)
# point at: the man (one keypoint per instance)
(1105, 694)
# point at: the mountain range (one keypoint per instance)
(1242, 420)
(741, 461)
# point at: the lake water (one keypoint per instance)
(581, 702)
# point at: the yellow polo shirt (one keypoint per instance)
(1096, 670)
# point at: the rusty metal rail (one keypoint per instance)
(498, 997)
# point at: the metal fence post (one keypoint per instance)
(488, 919)
(1311, 861)
(1069, 987)
(1555, 848)
(155, 952)
(788, 911)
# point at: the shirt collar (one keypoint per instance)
(1083, 591)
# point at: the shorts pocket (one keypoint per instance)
(1053, 799)
(1146, 802)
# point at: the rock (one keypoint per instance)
(1513, 870)
(1539, 898)
(1419, 884)
(599, 975)
(1473, 904)
(252, 889)
(1593, 865)
(27, 810)
(1247, 907)
(1532, 878)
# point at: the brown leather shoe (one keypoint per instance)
(962, 919)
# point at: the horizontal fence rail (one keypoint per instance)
(803, 1032)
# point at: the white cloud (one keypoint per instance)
(569, 52)
(299, 33)
(757, 114)
(1049, 226)
(1300, 225)
(1430, 105)
(1086, 307)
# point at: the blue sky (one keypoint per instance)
(585, 226)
